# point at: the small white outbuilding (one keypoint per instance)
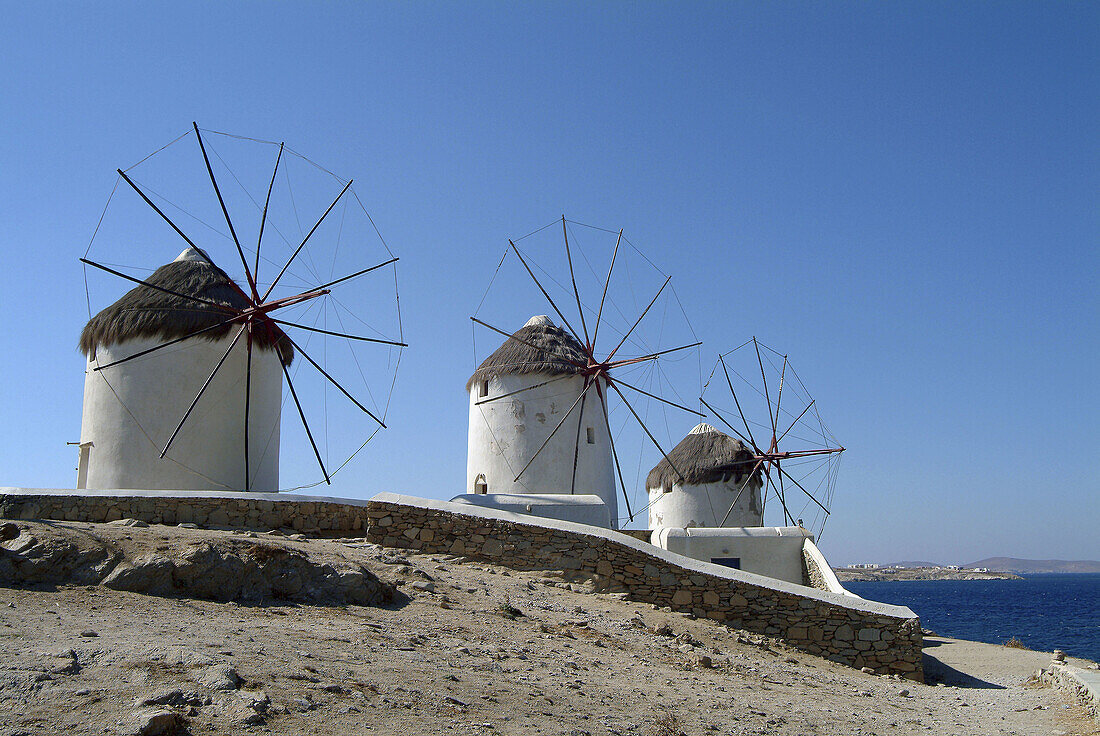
(699, 481)
(518, 396)
(131, 409)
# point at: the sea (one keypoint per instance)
(1045, 612)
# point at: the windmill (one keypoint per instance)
(549, 407)
(792, 448)
(258, 296)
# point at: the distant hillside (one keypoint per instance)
(1012, 564)
(915, 563)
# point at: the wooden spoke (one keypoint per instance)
(731, 427)
(247, 404)
(302, 415)
(576, 293)
(202, 390)
(779, 398)
(333, 381)
(653, 396)
(563, 361)
(614, 453)
(651, 356)
(155, 208)
(782, 495)
(339, 334)
(304, 241)
(357, 273)
(580, 423)
(760, 361)
(599, 314)
(564, 321)
(521, 390)
(263, 218)
(646, 430)
(644, 312)
(739, 490)
(555, 431)
(166, 344)
(752, 440)
(803, 489)
(225, 308)
(225, 212)
(796, 420)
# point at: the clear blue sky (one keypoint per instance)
(903, 196)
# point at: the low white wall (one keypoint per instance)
(775, 552)
(581, 509)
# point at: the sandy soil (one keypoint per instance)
(471, 649)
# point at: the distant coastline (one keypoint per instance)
(875, 574)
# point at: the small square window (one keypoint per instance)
(483, 388)
(591, 435)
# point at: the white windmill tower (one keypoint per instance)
(719, 487)
(181, 302)
(518, 398)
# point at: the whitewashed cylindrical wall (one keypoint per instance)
(505, 434)
(706, 504)
(131, 410)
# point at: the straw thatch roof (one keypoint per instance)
(704, 456)
(144, 312)
(557, 354)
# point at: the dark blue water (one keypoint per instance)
(1045, 612)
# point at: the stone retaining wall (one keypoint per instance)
(845, 629)
(849, 630)
(307, 514)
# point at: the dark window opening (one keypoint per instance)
(591, 435)
(483, 388)
(734, 562)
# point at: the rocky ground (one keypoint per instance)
(445, 645)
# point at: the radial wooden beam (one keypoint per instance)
(636, 322)
(752, 440)
(798, 418)
(580, 423)
(247, 405)
(573, 277)
(658, 398)
(332, 380)
(302, 416)
(733, 429)
(614, 453)
(202, 390)
(647, 432)
(599, 314)
(263, 218)
(744, 483)
(764, 378)
(491, 399)
(356, 274)
(563, 361)
(552, 433)
(304, 241)
(651, 356)
(225, 308)
(339, 334)
(167, 344)
(155, 208)
(564, 321)
(225, 212)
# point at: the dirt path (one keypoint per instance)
(471, 649)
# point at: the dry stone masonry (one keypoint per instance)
(842, 628)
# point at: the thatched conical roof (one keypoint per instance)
(145, 312)
(704, 456)
(557, 353)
